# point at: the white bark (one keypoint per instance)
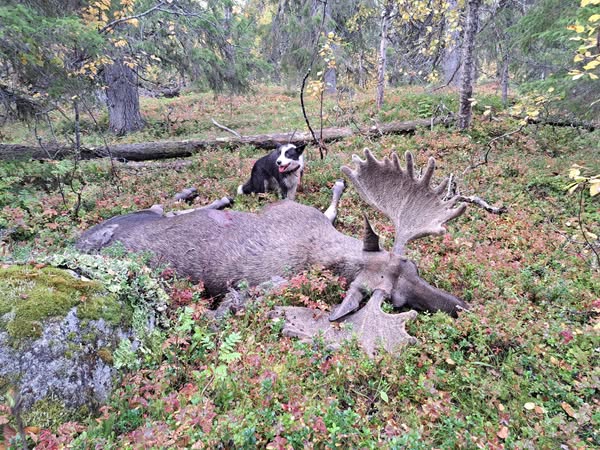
(386, 14)
(467, 79)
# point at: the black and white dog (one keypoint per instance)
(281, 170)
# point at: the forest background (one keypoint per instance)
(509, 94)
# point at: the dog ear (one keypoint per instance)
(300, 148)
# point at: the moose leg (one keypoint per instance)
(217, 204)
(338, 189)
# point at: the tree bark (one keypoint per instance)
(122, 99)
(504, 77)
(467, 79)
(385, 25)
(178, 149)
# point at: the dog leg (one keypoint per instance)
(338, 189)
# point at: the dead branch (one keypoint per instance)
(223, 127)
(491, 145)
(557, 122)
(483, 204)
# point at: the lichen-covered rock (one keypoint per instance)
(57, 337)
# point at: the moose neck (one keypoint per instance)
(340, 253)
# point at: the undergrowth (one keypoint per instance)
(520, 370)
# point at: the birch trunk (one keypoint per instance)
(385, 24)
(467, 78)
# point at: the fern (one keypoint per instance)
(227, 352)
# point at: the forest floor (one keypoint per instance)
(520, 370)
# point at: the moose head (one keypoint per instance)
(417, 209)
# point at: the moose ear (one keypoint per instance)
(370, 240)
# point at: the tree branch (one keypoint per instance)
(223, 127)
(109, 26)
(483, 204)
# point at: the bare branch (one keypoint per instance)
(111, 25)
(482, 204)
(223, 127)
(490, 145)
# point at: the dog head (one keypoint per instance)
(290, 157)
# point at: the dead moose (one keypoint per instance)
(222, 248)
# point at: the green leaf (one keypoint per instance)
(384, 396)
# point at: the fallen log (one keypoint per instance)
(177, 149)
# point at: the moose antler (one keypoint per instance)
(415, 208)
(371, 326)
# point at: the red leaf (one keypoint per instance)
(503, 433)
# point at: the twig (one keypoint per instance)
(312, 60)
(304, 111)
(449, 81)
(113, 169)
(483, 204)
(490, 145)
(223, 127)
(77, 158)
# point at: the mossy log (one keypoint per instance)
(177, 149)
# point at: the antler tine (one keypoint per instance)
(426, 178)
(410, 165)
(415, 207)
(442, 186)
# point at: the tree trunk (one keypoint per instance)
(178, 149)
(467, 79)
(330, 78)
(122, 99)
(362, 75)
(504, 78)
(385, 24)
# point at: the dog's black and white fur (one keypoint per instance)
(280, 170)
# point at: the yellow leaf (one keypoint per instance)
(591, 235)
(578, 76)
(574, 172)
(594, 187)
(594, 18)
(576, 28)
(592, 65)
(593, 76)
(578, 57)
(529, 406)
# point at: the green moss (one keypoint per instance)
(50, 413)
(33, 295)
(105, 354)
